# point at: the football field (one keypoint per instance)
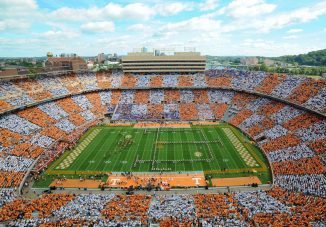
(219, 149)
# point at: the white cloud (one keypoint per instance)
(98, 27)
(193, 24)
(76, 29)
(301, 15)
(292, 31)
(18, 4)
(135, 10)
(111, 10)
(173, 8)
(139, 27)
(14, 8)
(277, 20)
(290, 37)
(208, 5)
(138, 11)
(13, 25)
(15, 15)
(260, 47)
(247, 8)
(66, 13)
(59, 34)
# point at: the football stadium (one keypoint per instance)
(161, 138)
(230, 137)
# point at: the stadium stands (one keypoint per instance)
(275, 207)
(283, 113)
(21, 92)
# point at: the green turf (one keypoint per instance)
(105, 149)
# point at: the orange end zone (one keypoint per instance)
(164, 180)
(77, 183)
(235, 181)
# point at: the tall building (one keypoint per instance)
(100, 58)
(149, 62)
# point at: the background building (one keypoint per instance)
(100, 58)
(269, 62)
(65, 63)
(249, 61)
(8, 72)
(152, 62)
(13, 71)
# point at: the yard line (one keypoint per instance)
(137, 149)
(182, 150)
(192, 166)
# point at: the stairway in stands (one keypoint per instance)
(229, 113)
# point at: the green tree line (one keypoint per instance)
(314, 58)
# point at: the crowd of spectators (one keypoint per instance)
(17, 124)
(36, 131)
(247, 80)
(24, 208)
(313, 133)
(312, 184)
(283, 139)
(89, 80)
(84, 206)
(14, 163)
(7, 195)
(318, 101)
(292, 139)
(291, 153)
(305, 210)
(22, 92)
(41, 141)
(180, 208)
(82, 101)
(259, 202)
(217, 209)
(53, 110)
(275, 206)
(127, 208)
(174, 104)
(284, 89)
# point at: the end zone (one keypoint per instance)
(161, 180)
(235, 181)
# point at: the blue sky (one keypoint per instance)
(215, 27)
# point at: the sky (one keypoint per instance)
(214, 27)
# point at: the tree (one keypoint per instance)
(263, 67)
(314, 58)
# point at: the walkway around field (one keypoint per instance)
(77, 183)
(164, 181)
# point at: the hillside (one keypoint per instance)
(314, 58)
